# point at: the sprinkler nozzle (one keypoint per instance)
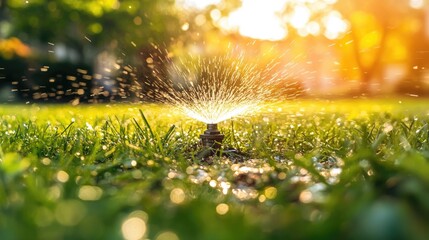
(211, 141)
(212, 138)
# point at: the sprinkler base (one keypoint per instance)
(211, 142)
(212, 138)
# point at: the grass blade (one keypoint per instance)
(146, 123)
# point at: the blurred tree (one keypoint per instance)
(199, 31)
(86, 25)
(419, 54)
(101, 38)
(372, 24)
(2, 8)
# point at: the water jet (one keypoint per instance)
(212, 89)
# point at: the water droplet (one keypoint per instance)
(177, 196)
(270, 192)
(133, 228)
(46, 161)
(222, 208)
(167, 236)
(213, 183)
(62, 176)
(185, 26)
(281, 176)
(306, 196)
(90, 193)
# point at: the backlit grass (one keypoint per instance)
(355, 169)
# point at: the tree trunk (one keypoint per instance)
(419, 51)
(367, 72)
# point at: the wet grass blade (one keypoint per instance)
(168, 135)
(65, 129)
(147, 123)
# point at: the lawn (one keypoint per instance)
(349, 169)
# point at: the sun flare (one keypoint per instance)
(273, 19)
(197, 4)
(257, 19)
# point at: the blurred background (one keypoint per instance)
(83, 51)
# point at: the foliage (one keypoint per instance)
(379, 35)
(343, 170)
(13, 47)
(94, 24)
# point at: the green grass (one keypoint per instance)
(315, 170)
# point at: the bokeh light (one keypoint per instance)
(274, 19)
(177, 196)
(222, 208)
(335, 25)
(134, 227)
(90, 193)
(198, 4)
(270, 192)
(168, 235)
(62, 176)
(306, 196)
(257, 19)
(417, 4)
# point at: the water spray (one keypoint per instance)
(214, 89)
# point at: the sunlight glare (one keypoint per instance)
(266, 20)
(417, 4)
(313, 28)
(335, 25)
(198, 4)
(300, 17)
(257, 19)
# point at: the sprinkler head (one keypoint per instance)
(212, 138)
(211, 141)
